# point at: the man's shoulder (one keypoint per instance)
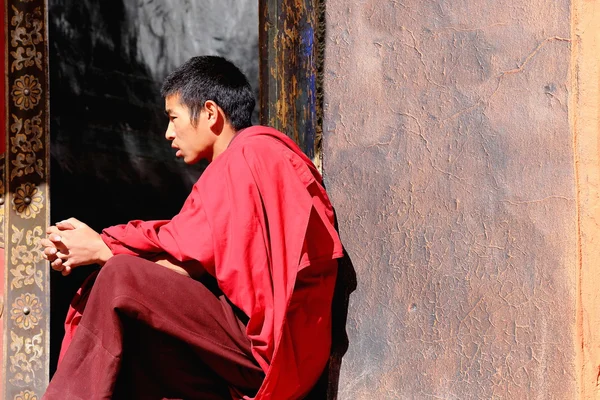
(263, 143)
(254, 148)
(257, 136)
(265, 154)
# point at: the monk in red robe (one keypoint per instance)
(231, 298)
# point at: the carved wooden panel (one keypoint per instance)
(25, 193)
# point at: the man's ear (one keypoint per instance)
(212, 112)
(214, 116)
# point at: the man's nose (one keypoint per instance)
(170, 133)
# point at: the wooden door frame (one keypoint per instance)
(25, 207)
(290, 100)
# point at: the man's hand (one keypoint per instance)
(72, 243)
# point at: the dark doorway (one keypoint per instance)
(109, 160)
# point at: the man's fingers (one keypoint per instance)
(57, 264)
(46, 243)
(54, 238)
(74, 222)
(65, 225)
(55, 235)
(49, 249)
(58, 241)
(49, 253)
(61, 266)
(52, 229)
(56, 250)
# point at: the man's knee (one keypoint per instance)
(119, 263)
(117, 272)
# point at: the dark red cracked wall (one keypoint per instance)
(449, 158)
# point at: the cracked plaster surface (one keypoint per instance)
(449, 159)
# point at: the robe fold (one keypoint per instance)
(259, 221)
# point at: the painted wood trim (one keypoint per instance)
(26, 283)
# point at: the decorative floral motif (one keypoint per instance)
(26, 35)
(29, 252)
(26, 311)
(24, 275)
(26, 395)
(26, 92)
(27, 143)
(25, 256)
(28, 200)
(26, 362)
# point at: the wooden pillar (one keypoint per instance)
(26, 284)
(290, 84)
(2, 150)
(585, 123)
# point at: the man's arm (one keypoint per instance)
(78, 244)
(186, 237)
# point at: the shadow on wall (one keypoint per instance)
(327, 386)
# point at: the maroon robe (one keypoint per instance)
(259, 221)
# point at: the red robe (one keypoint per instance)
(258, 219)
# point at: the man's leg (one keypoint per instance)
(134, 307)
(168, 370)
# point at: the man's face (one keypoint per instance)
(193, 143)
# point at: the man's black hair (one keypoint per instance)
(213, 78)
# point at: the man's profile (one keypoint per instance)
(231, 298)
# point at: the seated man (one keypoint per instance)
(248, 313)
